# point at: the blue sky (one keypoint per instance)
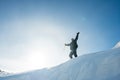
(36, 30)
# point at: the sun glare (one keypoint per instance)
(44, 49)
(37, 59)
(40, 47)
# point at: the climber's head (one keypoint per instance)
(72, 39)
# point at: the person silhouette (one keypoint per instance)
(73, 46)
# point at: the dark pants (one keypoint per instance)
(73, 52)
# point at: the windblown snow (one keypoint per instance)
(104, 65)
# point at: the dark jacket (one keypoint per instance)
(73, 45)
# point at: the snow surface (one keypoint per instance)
(4, 74)
(104, 65)
(117, 45)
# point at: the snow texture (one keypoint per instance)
(4, 74)
(104, 65)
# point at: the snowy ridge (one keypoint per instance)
(103, 65)
(117, 45)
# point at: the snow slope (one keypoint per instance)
(4, 74)
(117, 45)
(104, 65)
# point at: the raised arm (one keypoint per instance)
(77, 36)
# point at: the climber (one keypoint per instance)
(73, 46)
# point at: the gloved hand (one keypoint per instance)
(78, 32)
